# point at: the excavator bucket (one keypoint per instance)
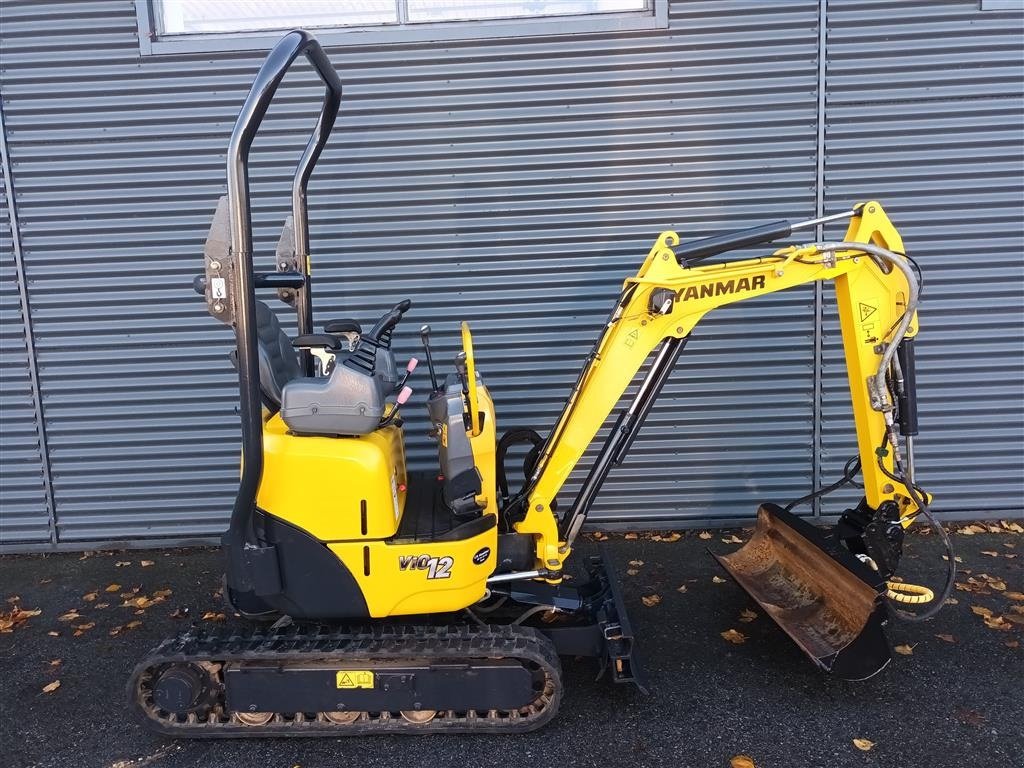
(829, 602)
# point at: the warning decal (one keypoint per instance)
(867, 310)
(354, 678)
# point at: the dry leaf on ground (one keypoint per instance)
(947, 638)
(717, 579)
(906, 650)
(213, 616)
(51, 687)
(741, 761)
(15, 617)
(990, 553)
(650, 600)
(113, 588)
(981, 610)
(732, 539)
(145, 563)
(89, 597)
(996, 622)
(69, 616)
(704, 535)
(632, 571)
(681, 589)
(630, 537)
(863, 744)
(636, 563)
(670, 537)
(747, 615)
(734, 636)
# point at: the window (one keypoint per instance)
(181, 26)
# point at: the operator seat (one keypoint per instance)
(277, 359)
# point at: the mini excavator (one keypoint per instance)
(397, 600)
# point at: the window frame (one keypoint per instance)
(151, 43)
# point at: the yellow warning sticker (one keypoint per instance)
(354, 678)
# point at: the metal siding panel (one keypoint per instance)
(23, 515)
(513, 183)
(924, 114)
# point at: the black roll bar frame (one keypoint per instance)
(269, 77)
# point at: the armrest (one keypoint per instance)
(317, 340)
(345, 325)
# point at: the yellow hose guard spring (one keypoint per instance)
(912, 594)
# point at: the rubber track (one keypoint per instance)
(302, 644)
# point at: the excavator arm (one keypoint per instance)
(827, 594)
(660, 306)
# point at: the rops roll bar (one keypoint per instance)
(261, 93)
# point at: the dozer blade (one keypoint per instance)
(829, 602)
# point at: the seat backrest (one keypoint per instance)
(279, 363)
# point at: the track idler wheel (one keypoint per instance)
(419, 716)
(342, 718)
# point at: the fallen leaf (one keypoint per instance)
(90, 597)
(734, 636)
(163, 593)
(704, 535)
(1017, 608)
(133, 624)
(1015, 618)
(146, 563)
(733, 539)
(9, 620)
(741, 761)
(650, 600)
(1013, 527)
(600, 536)
(56, 662)
(100, 606)
(69, 616)
(51, 687)
(906, 650)
(863, 744)
(86, 626)
(981, 610)
(747, 615)
(213, 616)
(952, 601)
(674, 536)
(1012, 644)
(681, 588)
(717, 579)
(990, 553)
(51, 633)
(997, 622)
(45, 581)
(632, 571)
(970, 530)
(970, 717)
(122, 563)
(179, 613)
(997, 585)
(116, 631)
(636, 563)
(947, 638)
(113, 588)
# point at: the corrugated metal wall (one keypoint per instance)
(24, 516)
(513, 183)
(926, 111)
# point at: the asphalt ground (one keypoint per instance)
(954, 701)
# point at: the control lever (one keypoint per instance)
(402, 399)
(425, 338)
(413, 362)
